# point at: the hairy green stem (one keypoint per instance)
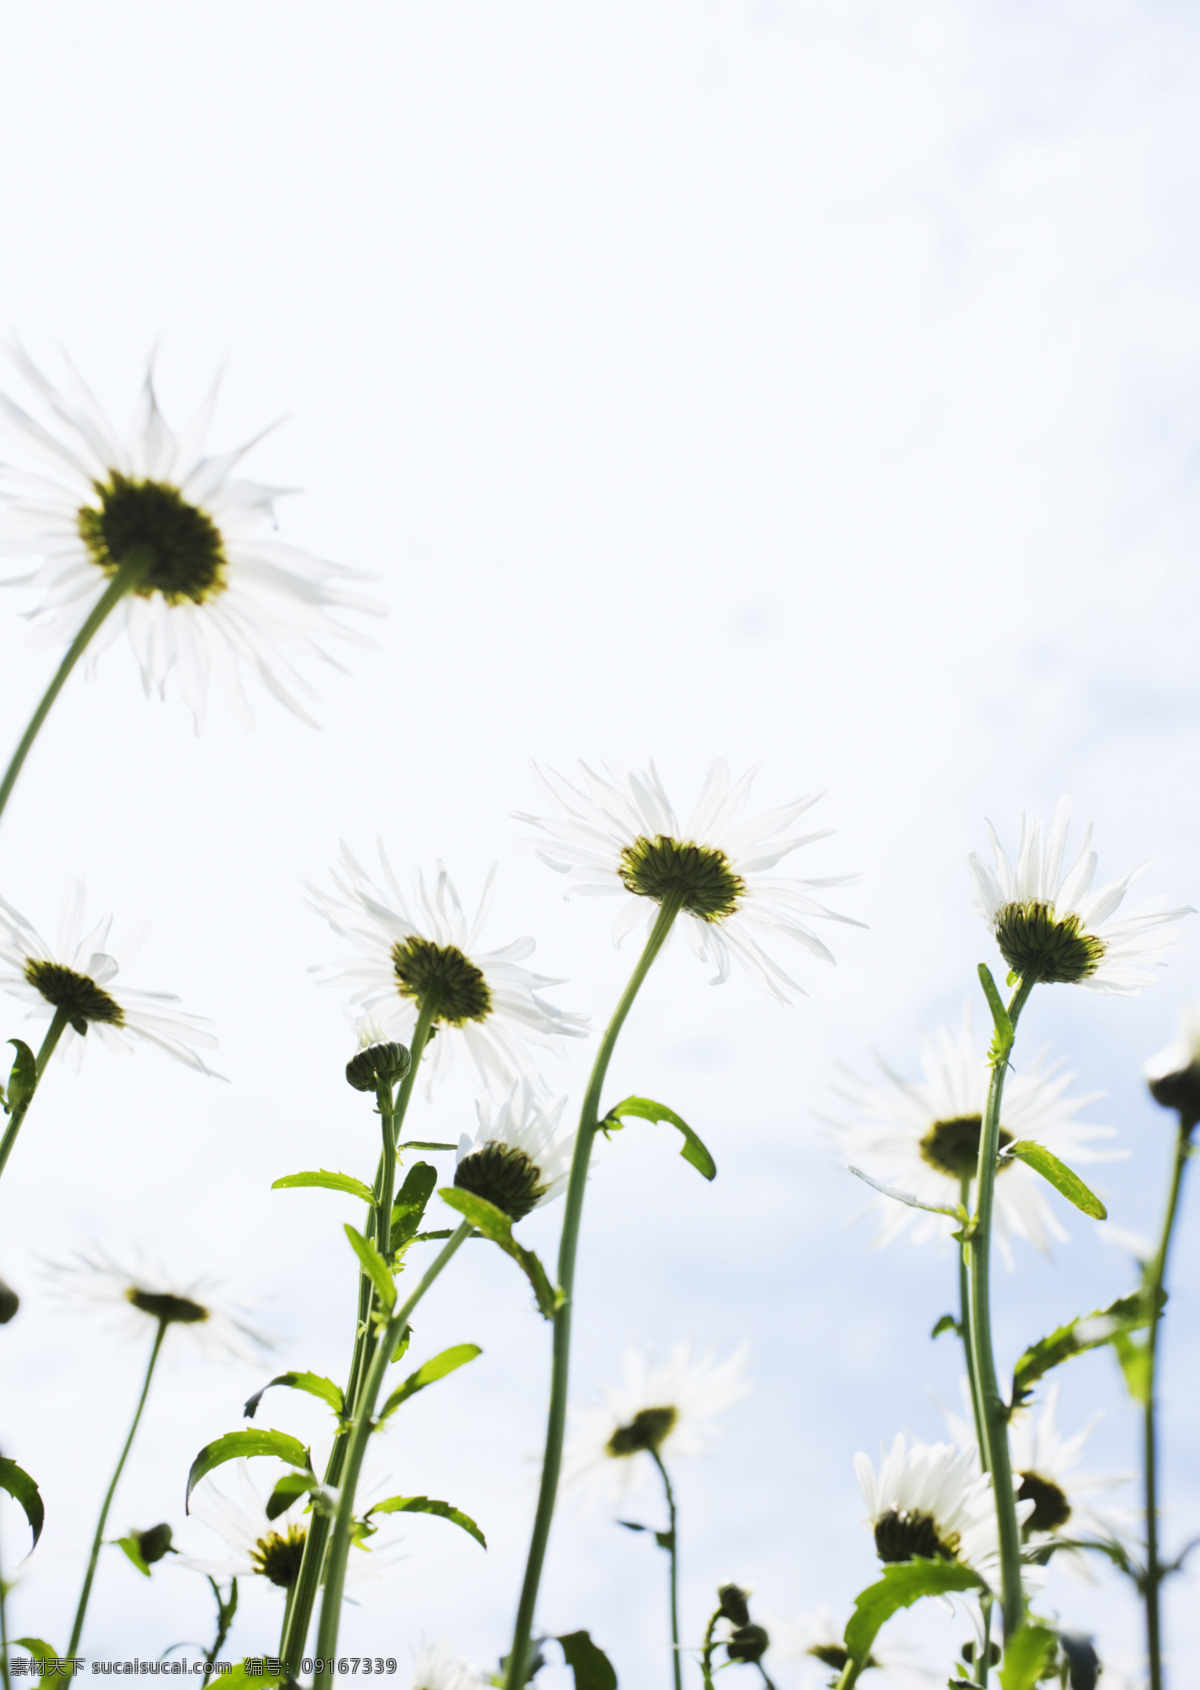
(298, 1616)
(673, 1550)
(361, 1428)
(124, 581)
(85, 1593)
(1155, 1275)
(54, 1032)
(589, 1120)
(993, 1410)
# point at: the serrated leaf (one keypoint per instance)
(1085, 1332)
(329, 1182)
(22, 1082)
(493, 1223)
(410, 1203)
(374, 1266)
(436, 1368)
(902, 1584)
(16, 1481)
(947, 1323)
(429, 1505)
(1025, 1657)
(591, 1667)
(287, 1490)
(314, 1383)
(644, 1108)
(236, 1444)
(130, 1546)
(956, 1214)
(1064, 1180)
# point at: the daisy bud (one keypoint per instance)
(733, 1606)
(748, 1643)
(9, 1303)
(1174, 1074)
(152, 1545)
(376, 1064)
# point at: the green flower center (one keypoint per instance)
(698, 876)
(441, 974)
(900, 1536)
(76, 995)
(952, 1147)
(648, 1430)
(165, 1306)
(279, 1557)
(1037, 946)
(152, 518)
(1051, 1510)
(504, 1175)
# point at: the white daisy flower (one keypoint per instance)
(129, 1297)
(437, 1668)
(215, 594)
(1174, 1074)
(922, 1137)
(815, 1637)
(618, 836)
(520, 1158)
(422, 950)
(73, 979)
(932, 1501)
(660, 1410)
(1052, 927)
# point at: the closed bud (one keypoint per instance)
(377, 1064)
(733, 1605)
(748, 1643)
(9, 1303)
(153, 1544)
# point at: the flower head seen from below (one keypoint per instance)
(75, 979)
(211, 592)
(1052, 927)
(816, 1638)
(921, 1137)
(133, 1299)
(1174, 1074)
(520, 1157)
(619, 836)
(658, 1412)
(438, 1668)
(419, 951)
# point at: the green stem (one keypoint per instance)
(4, 1676)
(298, 1616)
(1155, 1274)
(706, 1651)
(54, 1032)
(849, 1674)
(124, 581)
(589, 1117)
(361, 1429)
(993, 1410)
(673, 1541)
(225, 1616)
(85, 1593)
(964, 1319)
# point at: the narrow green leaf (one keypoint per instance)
(694, 1151)
(1002, 1043)
(424, 1144)
(428, 1505)
(1027, 1655)
(130, 1546)
(947, 1323)
(22, 1082)
(314, 1383)
(287, 1490)
(374, 1266)
(16, 1481)
(958, 1213)
(493, 1223)
(1064, 1180)
(410, 1203)
(436, 1368)
(235, 1444)
(590, 1665)
(38, 1648)
(902, 1584)
(1086, 1332)
(329, 1182)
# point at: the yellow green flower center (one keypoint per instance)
(901, 1535)
(77, 996)
(1051, 1510)
(648, 1430)
(441, 974)
(504, 1175)
(699, 878)
(952, 1146)
(278, 1558)
(165, 1306)
(152, 519)
(1038, 946)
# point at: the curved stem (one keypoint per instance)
(567, 1250)
(298, 1616)
(361, 1429)
(124, 581)
(1155, 1274)
(54, 1032)
(993, 1410)
(86, 1592)
(673, 1542)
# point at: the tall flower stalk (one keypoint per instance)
(26, 1085)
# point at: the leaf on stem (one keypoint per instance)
(236, 1444)
(947, 1323)
(330, 1182)
(314, 1383)
(38, 1648)
(1085, 1332)
(1135, 1365)
(1063, 1179)
(1004, 1035)
(591, 1667)
(902, 1584)
(16, 1481)
(130, 1546)
(409, 1206)
(285, 1493)
(694, 1151)
(1028, 1654)
(373, 1265)
(424, 1144)
(493, 1223)
(22, 1082)
(436, 1368)
(428, 1505)
(957, 1213)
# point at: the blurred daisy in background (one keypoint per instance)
(437, 1668)
(128, 1298)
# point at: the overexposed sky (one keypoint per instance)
(803, 384)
